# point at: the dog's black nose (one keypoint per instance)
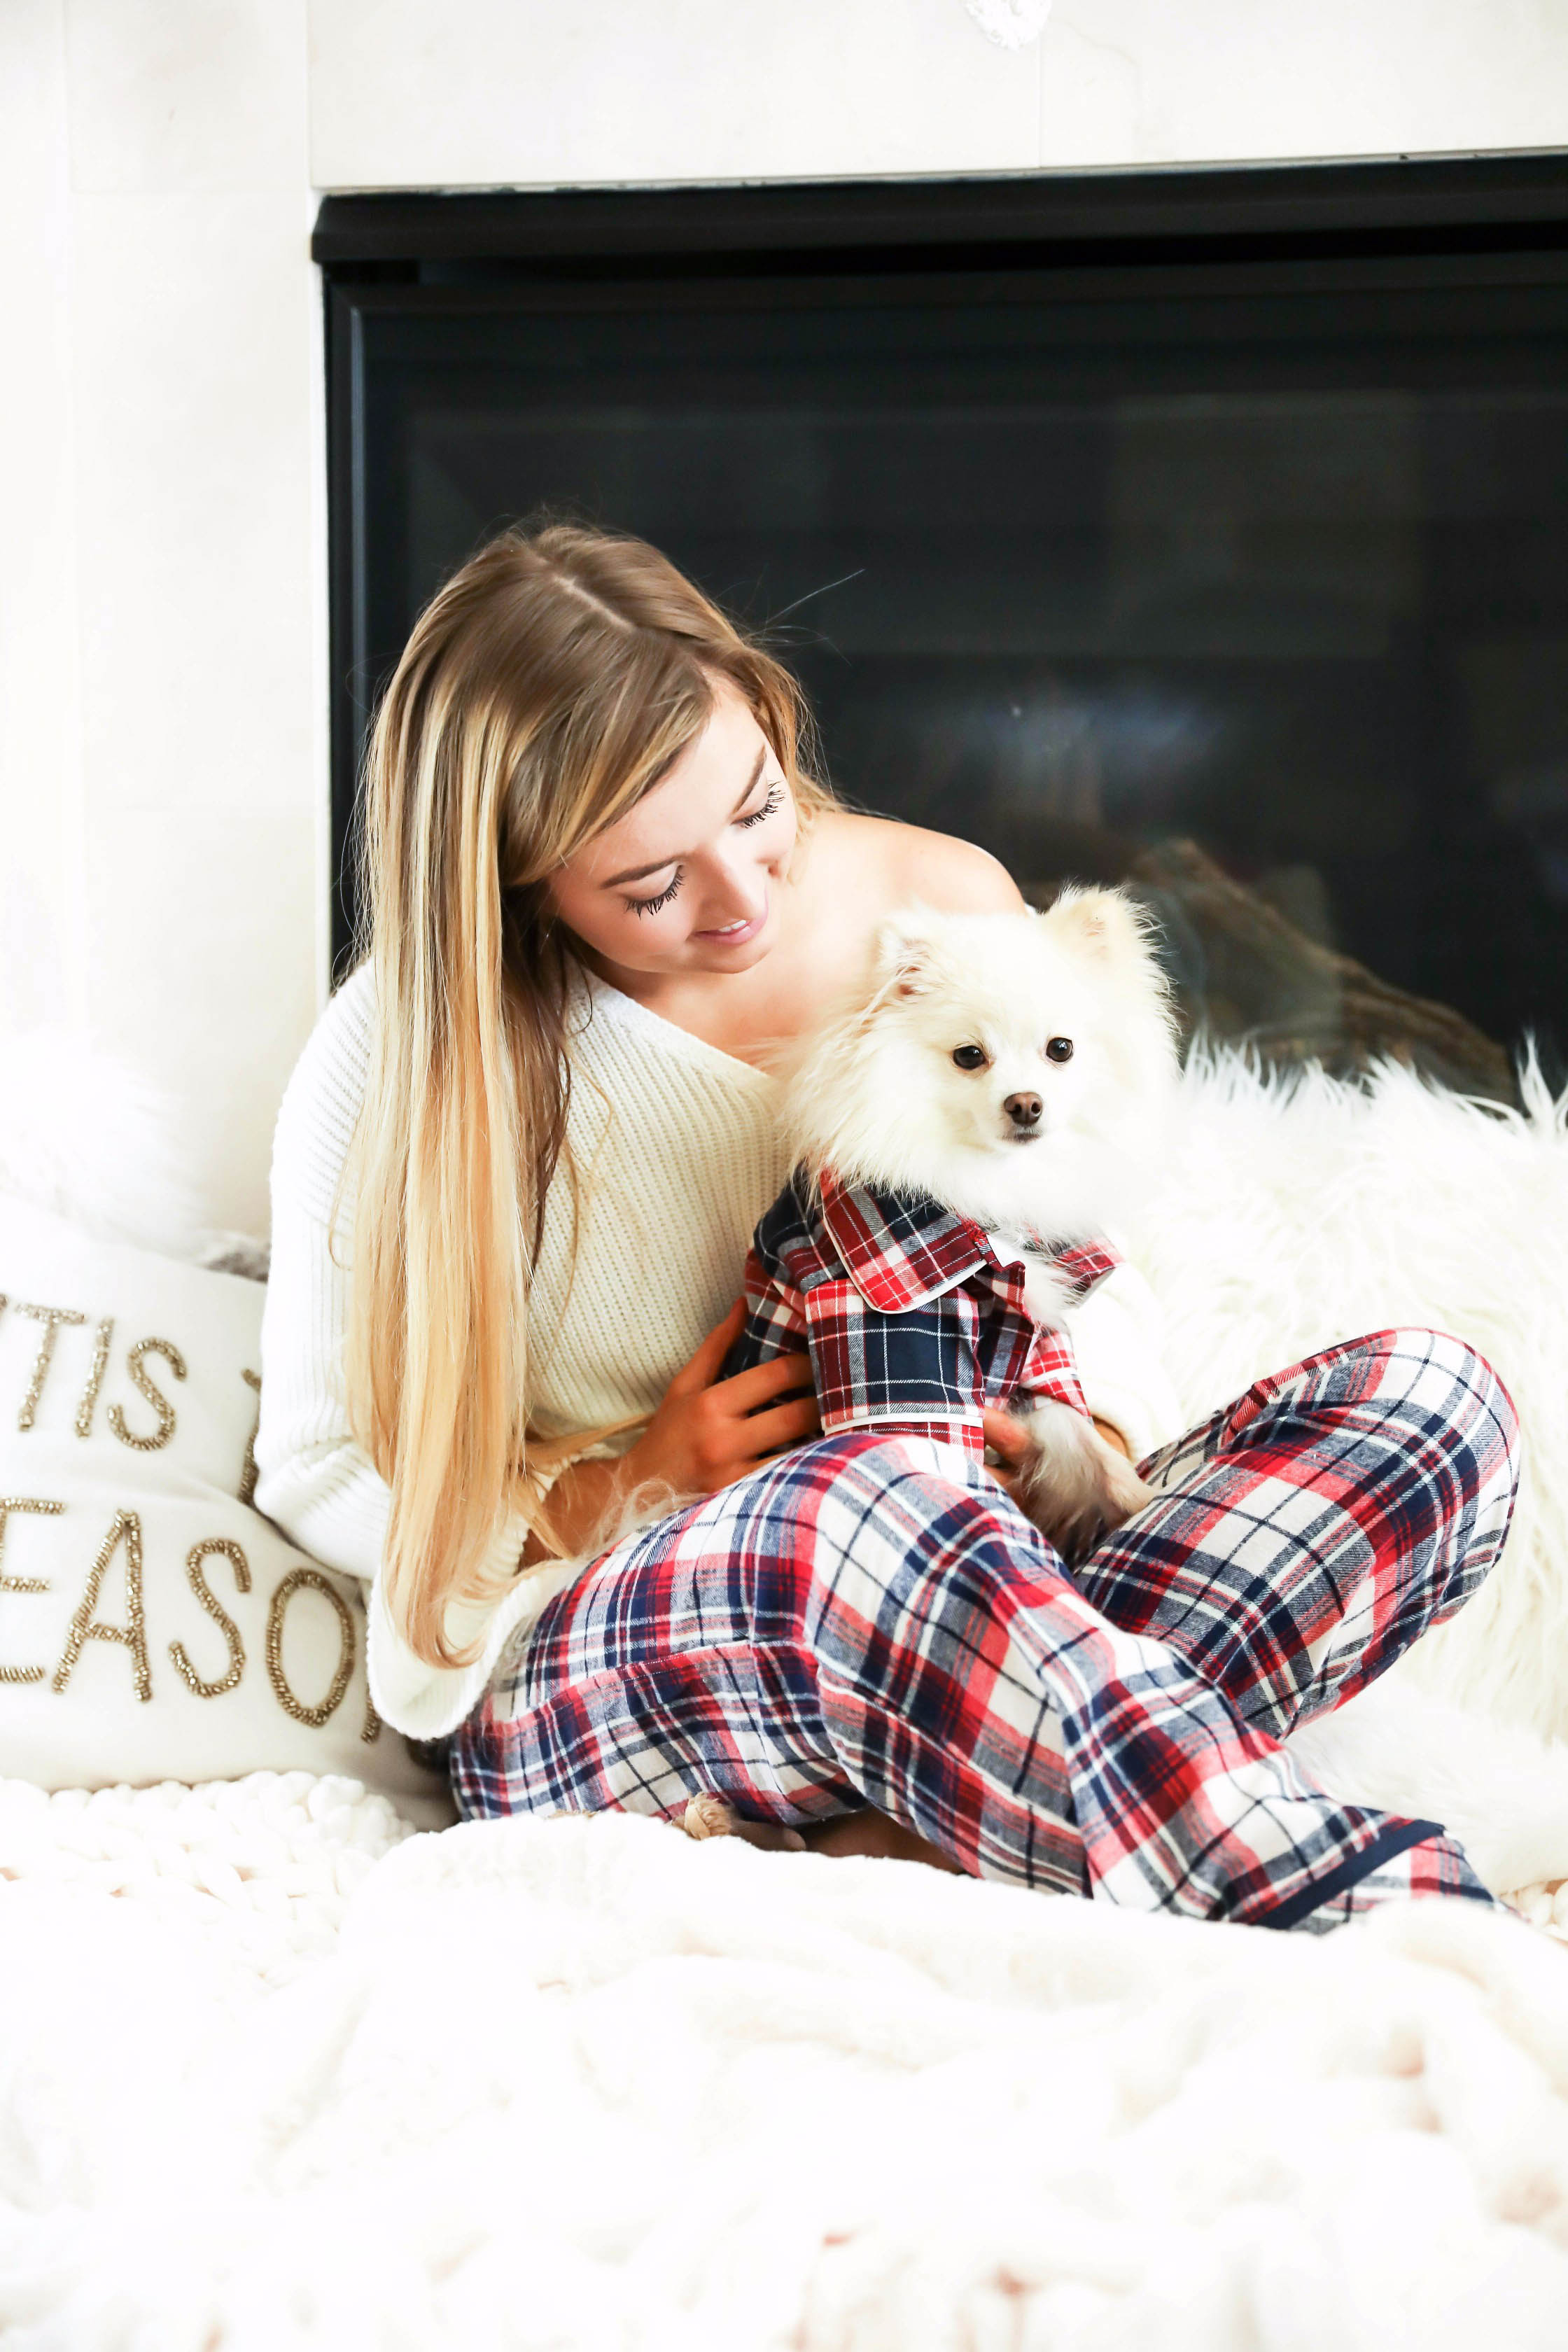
(1024, 1111)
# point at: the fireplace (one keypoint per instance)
(1207, 531)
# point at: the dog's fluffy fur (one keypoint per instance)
(877, 1097)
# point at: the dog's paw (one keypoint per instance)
(1126, 1493)
(1077, 1488)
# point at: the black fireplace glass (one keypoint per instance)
(1245, 585)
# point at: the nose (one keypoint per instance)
(1024, 1111)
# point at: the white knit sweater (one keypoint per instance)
(680, 1148)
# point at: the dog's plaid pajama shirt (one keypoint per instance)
(870, 1619)
(914, 1315)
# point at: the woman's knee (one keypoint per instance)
(1485, 1451)
(870, 1523)
(1449, 1391)
(1453, 1440)
(1408, 1377)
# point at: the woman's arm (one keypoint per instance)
(314, 1479)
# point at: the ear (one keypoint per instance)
(1110, 926)
(905, 953)
(1115, 933)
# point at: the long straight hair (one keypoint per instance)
(545, 688)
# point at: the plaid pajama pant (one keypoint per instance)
(869, 1619)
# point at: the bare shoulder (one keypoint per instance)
(958, 877)
(907, 861)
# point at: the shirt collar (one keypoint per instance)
(901, 1249)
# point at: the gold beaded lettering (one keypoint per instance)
(315, 1716)
(51, 1318)
(83, 1626)
(155, 1398)
(94, 1378)
(248, 1474)
(9, 1502)
(210, 1602)
(371, 1728)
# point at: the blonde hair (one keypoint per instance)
(544, 690)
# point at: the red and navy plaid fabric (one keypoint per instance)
(912, 1318)
(871, 1619)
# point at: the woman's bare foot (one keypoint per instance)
(714, 1816)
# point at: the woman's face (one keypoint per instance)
(690, 880)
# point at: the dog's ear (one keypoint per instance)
(1117, 935)
(1109, 925)
(906, 955)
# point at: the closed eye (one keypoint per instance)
(652, 906)
(775, 797)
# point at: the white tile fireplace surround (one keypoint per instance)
(163, 775)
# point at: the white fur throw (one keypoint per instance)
(1295, 1213)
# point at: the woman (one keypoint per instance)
(536, 1124)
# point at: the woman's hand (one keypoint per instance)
(1009, 1441)
(707, 1432)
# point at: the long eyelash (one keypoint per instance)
(652, 906)
(767, 808)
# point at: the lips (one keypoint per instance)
(733, 934)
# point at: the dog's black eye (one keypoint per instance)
(970, 1058)
(1059, 1049)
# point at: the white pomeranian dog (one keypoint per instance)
(1013, 1068)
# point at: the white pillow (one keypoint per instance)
(154, 1624)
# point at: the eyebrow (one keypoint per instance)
(636, 873)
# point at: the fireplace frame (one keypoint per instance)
(1191, 230)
